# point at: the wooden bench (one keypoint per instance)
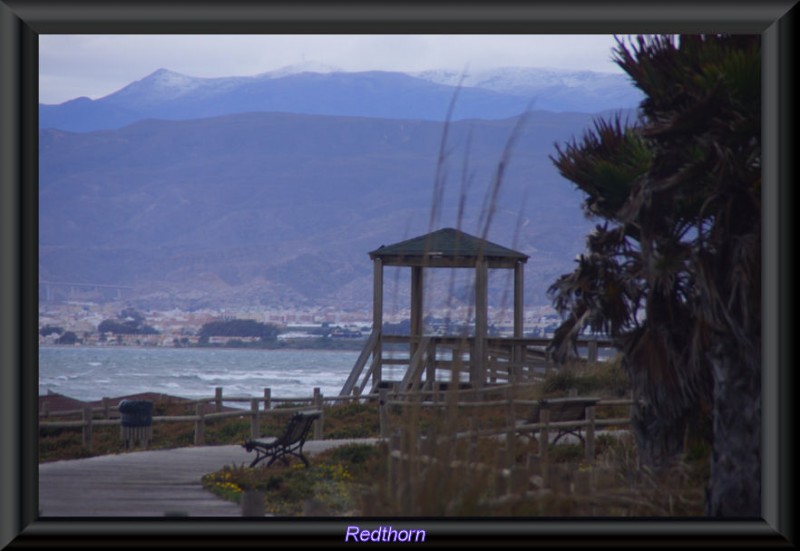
(563, 410)
(289, 443)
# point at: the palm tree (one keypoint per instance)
(674, 273)
(617, 290)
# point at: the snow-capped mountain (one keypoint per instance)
(311, 88)
(523, 80)
(304, 67)
(165, 85)
(547, 86)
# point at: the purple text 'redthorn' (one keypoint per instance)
(383, 533)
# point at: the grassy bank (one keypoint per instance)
(342, 421)
(476, 476)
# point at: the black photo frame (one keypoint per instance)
(21, 21)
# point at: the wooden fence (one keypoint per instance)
(468, 399)
(259, 407)
(510, 477)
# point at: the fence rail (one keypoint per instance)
(260, 407)
(111, 415)
(535, 475)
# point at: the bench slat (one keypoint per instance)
(264, 441)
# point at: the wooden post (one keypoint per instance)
(267, 399)
(519, 278)
(501, 484)
(409, 470)
(533, 464)
(544, 433)
(511, 433)
(87, 428)
(106, 407)
(383, 413)
(583, 485)
(199, 425)
(417, 305)
(394, 446)
(318, 405)
(253, 504)
(218, 398)
(515, 363)
(472, 450)
(519, 480)
(377, 319)
(478, 372)
(255, 426)
(430, 371)
(592, 350)
(590, 430)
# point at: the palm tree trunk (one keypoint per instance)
(659, 440)
(735, 487)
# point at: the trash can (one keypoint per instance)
(136, 422)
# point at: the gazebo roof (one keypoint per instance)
(447, 248)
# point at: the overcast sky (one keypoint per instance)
(72, 66)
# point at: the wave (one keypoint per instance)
(191, 374)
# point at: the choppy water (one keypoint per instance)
(90, 373)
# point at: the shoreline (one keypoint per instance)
(348, 346)
(90, 373)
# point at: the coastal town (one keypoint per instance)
(82, 323)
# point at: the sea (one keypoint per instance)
(91, 373)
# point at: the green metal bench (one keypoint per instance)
(289, 443)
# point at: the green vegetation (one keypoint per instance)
(330, 484)
(128, 322)
(68, 338)
(605, 378)
(238, 328)
(51, 329)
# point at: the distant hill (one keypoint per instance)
(278, 208)
(498, 94)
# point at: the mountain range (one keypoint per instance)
(500, 93)
(279, 209)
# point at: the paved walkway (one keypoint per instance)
(147, 483)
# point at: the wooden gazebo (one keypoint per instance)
(445, 248)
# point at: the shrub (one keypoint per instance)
(328, 481)
(600, 378)
(353, 454)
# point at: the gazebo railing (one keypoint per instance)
(427, 360)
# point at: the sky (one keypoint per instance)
(94, 66)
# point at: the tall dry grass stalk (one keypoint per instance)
(438, 466)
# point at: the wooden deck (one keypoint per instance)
(154, 483)
(427, 360)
